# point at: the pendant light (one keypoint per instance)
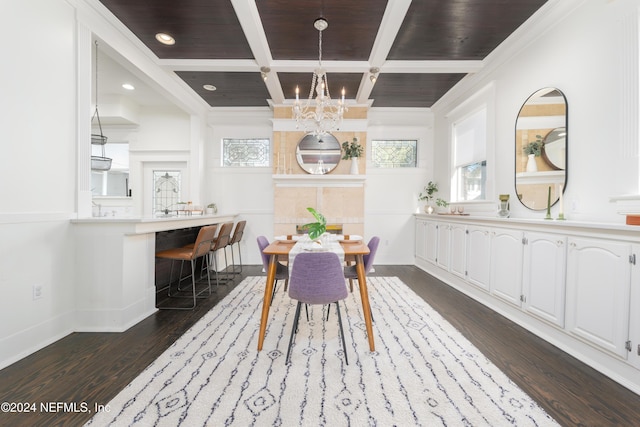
(98, 163)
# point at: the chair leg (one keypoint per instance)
(344, 344)
(273, 293)
(351, 284)
(293, 331)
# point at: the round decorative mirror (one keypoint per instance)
(541, 149)
(318, 154)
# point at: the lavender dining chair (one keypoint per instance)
(282, 271)
(317, 278)
(350, 271)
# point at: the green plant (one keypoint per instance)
(353, 149)
(534, 147)
(429, 191)
(442, 203)
(316, 229)
(212, 205)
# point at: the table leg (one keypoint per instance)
(364, 295)
(266, 302)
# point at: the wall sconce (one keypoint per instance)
(264, 71)
(374, 74)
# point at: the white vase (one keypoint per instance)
(531, 163)
(354, 166)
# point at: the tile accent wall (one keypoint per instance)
(338, 195)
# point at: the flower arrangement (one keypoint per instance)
(351, 149)
(534, 147)
(316, 229)
(429, 193)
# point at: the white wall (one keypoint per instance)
(38, 175)
(593, 69)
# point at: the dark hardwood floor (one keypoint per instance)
(93, 367)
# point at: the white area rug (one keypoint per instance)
(423, 373)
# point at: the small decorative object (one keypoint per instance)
(503, 207)
(429, 193)
(548, 216)
(352, 150)
(533, 150)
(212, 208)
(316, 229)
(560, 204)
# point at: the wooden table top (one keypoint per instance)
(350, 247)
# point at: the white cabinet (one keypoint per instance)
(457, 241)
(543, 276)
(598, 291)
(444, 245)
(421, 239)
(506, 265)
(478, 256)
(431, 246)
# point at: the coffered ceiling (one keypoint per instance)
(421, 47)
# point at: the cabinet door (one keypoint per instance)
(431, 228)
(506, 265)
(478, 256)
(544, 276)
(634, 320)
(598, 291)
(457, 259)
(444, 244)
(421, 239)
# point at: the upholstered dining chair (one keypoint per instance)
(236, 237)
(350, 271)
(317, 278)
(282, 271)
(199, 249)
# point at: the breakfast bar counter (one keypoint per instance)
(115, 263)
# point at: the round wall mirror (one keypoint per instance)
(318, 154)
(541, 149)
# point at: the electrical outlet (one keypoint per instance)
(37, 292)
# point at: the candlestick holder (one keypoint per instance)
(560, 217)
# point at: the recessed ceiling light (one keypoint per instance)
(165, 38)
(128, 86)
(209, 87)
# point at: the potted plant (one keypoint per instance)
(533, 150)
(352, 150)
(428, 194)
(212, 208)
(318, 228)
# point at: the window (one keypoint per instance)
(469, 139)
(115, 181)
(394, 153)
(166, 191)
(245, 152)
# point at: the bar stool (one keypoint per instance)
(238, 232)
(220, 242)
(199, 249)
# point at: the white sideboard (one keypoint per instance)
(573, 284)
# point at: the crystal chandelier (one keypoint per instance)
(324, 115)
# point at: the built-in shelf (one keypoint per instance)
(544, 177)
(329, 180)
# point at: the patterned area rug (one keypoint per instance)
(423, 373)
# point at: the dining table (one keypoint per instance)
(353, 249)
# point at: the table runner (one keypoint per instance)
(328, 242)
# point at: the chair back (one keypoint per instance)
(263, 243)
(223, 237)
(373, 248)
(238, 232)
(205, 239)
(317, 278)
